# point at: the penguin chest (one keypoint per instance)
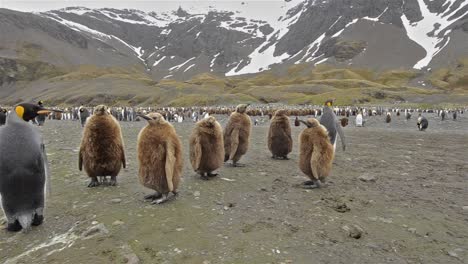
(152, 161)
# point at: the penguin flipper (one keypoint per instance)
(195, 153)
(234, 142)
(80, 159)
(46, 169)
(341, 134)
(169, 166)
(314, 163)
(124, 164)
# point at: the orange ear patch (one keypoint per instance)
(19, 111)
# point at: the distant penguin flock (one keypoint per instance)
(24, 169)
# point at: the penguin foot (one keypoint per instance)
(211, 175)
(103, 180)
(153, 196)
(165, 198)
(113, 181)
(14, 227)
(94, 182)
(38, 219)
(312, 184)
(285, 158)
(235, 164)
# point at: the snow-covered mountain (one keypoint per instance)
(379, 34)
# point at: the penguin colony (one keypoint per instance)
(23, 161)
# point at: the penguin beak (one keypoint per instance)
(305, 123)
(45, 111)
(144, 117)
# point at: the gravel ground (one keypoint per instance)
(396, 195)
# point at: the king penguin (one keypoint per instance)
(23, 168)
(331, 123)
(3, 115)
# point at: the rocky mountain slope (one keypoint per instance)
(381, 35)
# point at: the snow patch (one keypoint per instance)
(418, 31)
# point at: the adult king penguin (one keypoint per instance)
(23, 168)
(331, 123)
(3, 115)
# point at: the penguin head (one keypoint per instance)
(101, 110)
(281, 112)
(153, 118)
(344, 121)
(209, 121)
(329, 102)
(28, 112)
(310, 123)
(242, 108)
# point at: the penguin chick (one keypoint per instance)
(344, 121)
(102, 148)
(160, 158)
(207, 147)
(23, 169)
(279, 135)
(388, 118)
(422, 123)
(316, 153)
(236, 135)
(296, 122)
(330, 122)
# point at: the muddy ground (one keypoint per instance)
(414, 210)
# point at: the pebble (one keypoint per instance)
(465, 208)
(179, 229)
(96, 230)
(367, 178)
(353, 231)
(117, 222)
(94, 222)
(412, 230)
(196, 194)
(117, 200)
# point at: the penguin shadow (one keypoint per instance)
(102, 181)
(279, 158)
(310, 185)
(206, 176)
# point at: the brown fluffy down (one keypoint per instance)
(159, 156)
(206, 146)
(102, 149)
(316, 152)
(236, 136)
(279, 136)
